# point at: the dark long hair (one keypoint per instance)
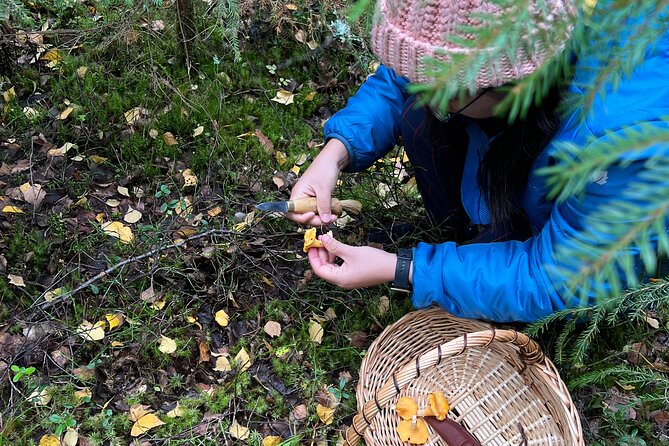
(503, 173)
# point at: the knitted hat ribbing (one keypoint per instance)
(406, 32)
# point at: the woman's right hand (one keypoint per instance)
(319, 181)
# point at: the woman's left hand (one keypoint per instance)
(362, 265)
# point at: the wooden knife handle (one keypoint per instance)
(303, 205)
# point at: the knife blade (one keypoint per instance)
(303, 205)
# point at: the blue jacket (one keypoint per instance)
(515, 281)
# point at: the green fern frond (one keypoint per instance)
(229, 22)
(623, 374)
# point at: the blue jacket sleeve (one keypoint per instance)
(525, 281)
(369, 125)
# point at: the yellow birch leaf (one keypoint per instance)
(167, 345)
(62, 150)
(222, 364)
(118, 230)
(290, 6)
(65, 113)
(159, 304)
(310, 97)
(281, 157)
(9, 95)
(50, 296)
(16, 280)
(215, 211)
(184, 206)
(100, 217)
(137, 411)
(142, 426)
(114, 320)
(123, 191)
(98, 159)
(169, 139)
(301, 159)
(83, 395)
(133, 115)
(117, 344)
(71, 437)
(189, 178)
(198, 131)
(132, 216)
(49, 440)
(81, 72)
(178, 411)
(112, 202)
(222, 318)
(40, 396)
(91, 332)
(12, 210)
(238, 431)
(284, 97)
(295, 169)
(271, 440)
(243, 360)
(315, 332)
(325, 414)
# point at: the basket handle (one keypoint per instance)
(529, 351)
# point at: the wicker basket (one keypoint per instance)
(499, 384)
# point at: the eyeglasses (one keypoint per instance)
(450, 115)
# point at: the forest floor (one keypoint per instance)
(144, 299)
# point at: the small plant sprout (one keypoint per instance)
(338, 392)
(62, 422)
(20, 372)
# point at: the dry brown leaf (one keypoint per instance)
(312, 44)
(301, 36)
(132, 216)
(265, 142)
(301, 159)
(16, 280)
(62, 150)
(190, 179)
(243, 360)
(81, 72)
(325, 414)
(169, 139)
(91, 332)
(141, 426)
(198, 131)
(238, 431)
(299, 412)
(137, 411)
(203, 348)
(83, 395)
(65, 113)
(384, 305)
(214, 211)
(222, 318)
(278, 181)
(273, 329)
(40, 396)
(153, 133)
(167, 345)
(133, 115)
(290, 6)
(315, 332)
(32, 193)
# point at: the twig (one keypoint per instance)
(113, 268)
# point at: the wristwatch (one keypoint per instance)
(401, 281)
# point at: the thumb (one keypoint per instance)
(324, 207)
(333, 246)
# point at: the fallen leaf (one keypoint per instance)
(49, 440)
(652, 322)
(299, 412)
(16, 280)
(83, 395)
(330, 314)
(290, 6)
(222, 318)
(40, 397)
(167, 345)
(91, 332)
(271, 440)
(71, 437)
(281, 158)
(203, 348)
(189, 178)
(325, 414)
(278, 181)
(384, 305)
(284, 97)
(265, 142)
(157, 25)
(112, 202)
(243, 360)
(178, 411)
(312, 44)
(315, 332)
(137, 411)
(81, 72)
(32, 193)
(273, 328)
(148, 421)
(169, 139)
(123, 191)
(114, 320)
(295, 169)
(198, 131)
(132, 216)
(62, 150)
(65, 113)
(238, 431)
(133, 115)
(97, 159)
(214, 212)
(159, 304)
(222, 364)
(300, 36)
(12, 210)
(184, 206)
(153, 133)
(118, 230)
(301, 159)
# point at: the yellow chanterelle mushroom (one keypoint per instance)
(310, 240)
(438, 406)
(414, 431)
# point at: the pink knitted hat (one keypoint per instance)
(407, 32)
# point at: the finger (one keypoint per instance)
(324, 208)
(335, 247)
(324, 255)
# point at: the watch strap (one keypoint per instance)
(402, 268)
